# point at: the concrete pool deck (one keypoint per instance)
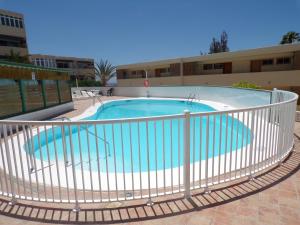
(272, 198)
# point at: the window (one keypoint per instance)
(17, 23)
(37, 61)
(207, 66)
(21, 23)
(62, 64)
(46, 63)
(283, 60)
(218, 66)
(266, 62)
(12, 22)
(2, 20)
(7, 21)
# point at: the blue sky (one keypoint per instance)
(128, 31)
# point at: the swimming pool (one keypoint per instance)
(140, 146)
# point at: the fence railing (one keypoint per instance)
(112, 160)
(24, 96)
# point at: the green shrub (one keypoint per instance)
(245, 84)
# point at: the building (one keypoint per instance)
(13, 38)
(12, 34)
(277, 66)
(80, 68)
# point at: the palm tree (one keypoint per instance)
(104, 70)
(290, 37)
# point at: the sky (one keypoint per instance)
(130, 31)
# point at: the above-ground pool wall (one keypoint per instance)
(235, 97)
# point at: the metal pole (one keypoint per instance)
(9, 163)
(186, 155)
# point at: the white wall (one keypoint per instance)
(45, 113)
(232, 96)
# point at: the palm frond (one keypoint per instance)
(104, 70)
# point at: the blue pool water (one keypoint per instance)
(136, 146)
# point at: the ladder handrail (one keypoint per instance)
(90, 132)
(95, 97)
(191, 98)
(100, 138)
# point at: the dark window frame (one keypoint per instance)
(219, 66)
(267, 62)
(208, 66)
(283, 61)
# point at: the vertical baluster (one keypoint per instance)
(49, 162)
(242, 144)
(14, 159)
(106, 160)
(131, 160)
(155, 152)
(179, 158)
(74, 175)
(237, 144)
(27, 146)
(34, 162)
(186, 167)
(115, 163)
(226, 146)
(66, 161)
(81, 163)
(200, 151)
(123, 162)
(57, 164)
(21, 161)
(98, 162)
(140, 163)
(4, 163)
(206, 154)
(149, 202)
(171, 154)
(163, 155)
(41, 161)
(251, 143)
(213, 149)
(194, 150)
(220, 147)
(231, 146)
(10, 167)
(89, 162)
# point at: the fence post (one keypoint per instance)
(23, 96)
(186, 155)
(58, 91)
(44, 93)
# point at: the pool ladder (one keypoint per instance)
(95, 97)
(67, 162)
(191, 98)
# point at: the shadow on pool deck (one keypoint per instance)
(137, 210)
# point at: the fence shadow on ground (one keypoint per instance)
(132, 211)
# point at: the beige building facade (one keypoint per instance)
(12, 34)
(80, 68)
(277, 66)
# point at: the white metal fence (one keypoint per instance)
(112, 160)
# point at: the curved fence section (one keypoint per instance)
(113, 160)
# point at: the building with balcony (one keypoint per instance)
(80, 68)
(12, 34)
(269, 67)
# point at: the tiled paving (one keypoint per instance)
(272, 198)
